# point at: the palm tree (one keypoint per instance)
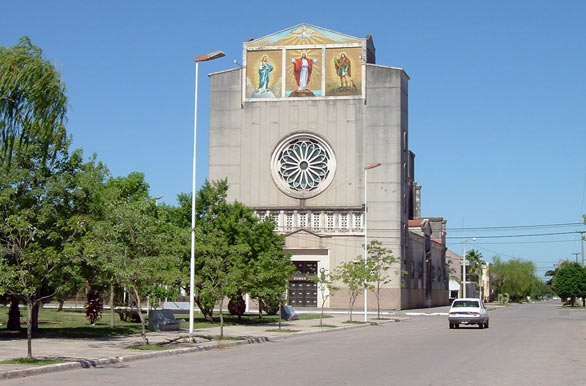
(474, 258)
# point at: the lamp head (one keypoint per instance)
(209, 56)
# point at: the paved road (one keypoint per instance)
(534, 344)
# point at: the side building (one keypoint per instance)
(293, 130)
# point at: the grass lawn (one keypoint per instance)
(283, 330)
(72, 323)
(68, 323)
(353, 322)
(30, 361)
(151, 347)
(325, 326)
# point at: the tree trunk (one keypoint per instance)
(207, 314)
(378, 302)
(350, 307)
(13, 315)
(111, 306)
(221, 318)
(29, 329)
(259, 308)
(145, 341)
(583, 301)
(35, 316)
(61, 302)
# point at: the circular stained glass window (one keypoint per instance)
(303, 165)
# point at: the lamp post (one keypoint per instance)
(197, 59)
(366, 169)
(464, 267)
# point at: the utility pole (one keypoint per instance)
(582, 242)
(576, 254)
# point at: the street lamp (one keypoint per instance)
(464, 266)
(366, 168)
(197, 59)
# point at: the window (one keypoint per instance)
(275, 218)
(358, 221)
(289, 221)
(344, 221)
(465, 303)
(330, 222)
(302, 220)
(316, 226)
(262, 216)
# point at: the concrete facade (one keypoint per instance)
(328, 227)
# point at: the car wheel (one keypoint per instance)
(451, 326)
(457, 325)
(480, 325)
(486, 324)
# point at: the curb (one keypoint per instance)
(89, 363)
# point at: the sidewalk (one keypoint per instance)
(100, 351)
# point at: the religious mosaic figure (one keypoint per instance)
(302, 70)
(264, 70)
(344, 71)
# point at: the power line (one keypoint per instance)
(520, 242)
(508, 236)
(517, 227)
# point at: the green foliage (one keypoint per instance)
(235, 252)
(30, 361)
(570, 282)
(32, 102)
(356, 277)
(380, 262)
(515, 277)
(135, 247)
(475, 265)
(326, 284)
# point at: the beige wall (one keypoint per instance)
(360, 131)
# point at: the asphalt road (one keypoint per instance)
(532, 344)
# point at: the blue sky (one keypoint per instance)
(497, 97)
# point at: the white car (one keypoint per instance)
(468, 311)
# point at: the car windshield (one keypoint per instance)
(465, 303)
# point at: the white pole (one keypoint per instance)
(365, 240)
(192, 261)
(464, 269)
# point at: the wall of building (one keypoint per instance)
(416, 274)
(243, 136)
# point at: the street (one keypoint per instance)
(529, 344)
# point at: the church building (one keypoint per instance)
(297, 131)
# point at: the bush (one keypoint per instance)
(237, 306)
(93, 307)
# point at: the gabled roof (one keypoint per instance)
(303, 34)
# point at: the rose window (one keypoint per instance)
(303, 165)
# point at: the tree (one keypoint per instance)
(259, 267)
(380, 261)
(32, 103)
(476, 264)
(221, 273)
(570, 282)
(137, 247)
(38, 200)
(271, 268)
(514, 277)
(326, 283)
(355, 275)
